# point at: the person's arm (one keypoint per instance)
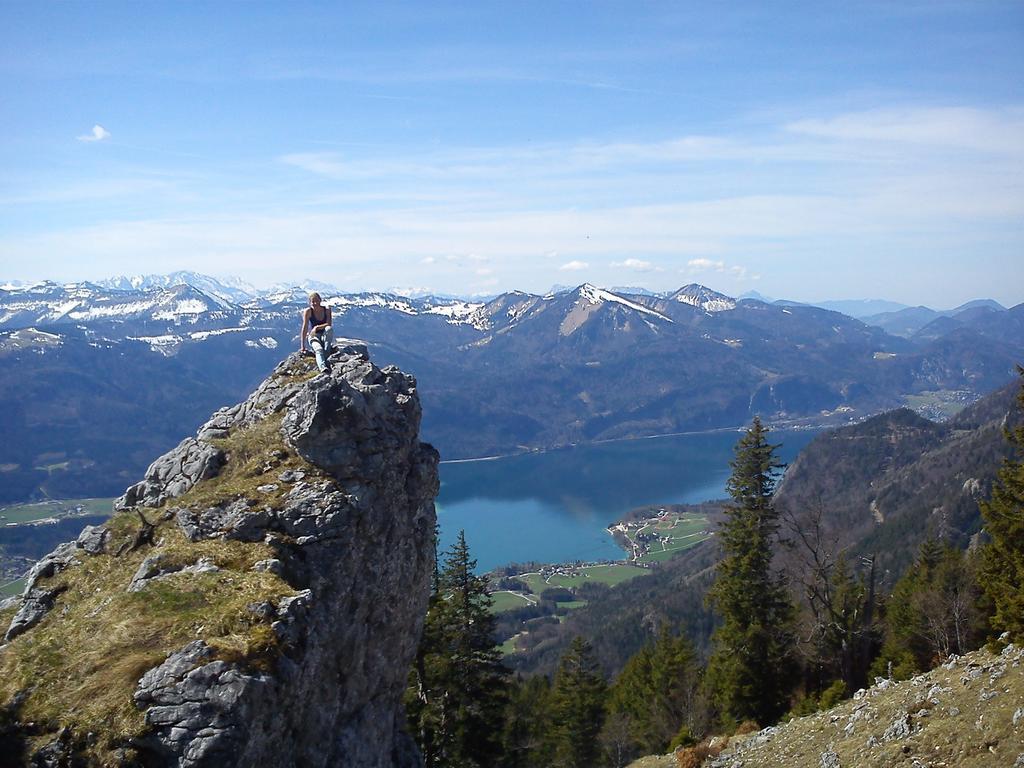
(305, 329)
(327, 318)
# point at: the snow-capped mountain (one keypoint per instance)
(230, 288)
(697, 295)
(520, 369)
(49, 304)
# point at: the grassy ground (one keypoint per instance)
(943, 402)
(80, 665)
(683, 530)
(959, 714)
(506, 601)
(678, 545)
(605, 574)
(25, 513)
(509, 646)
(11, 588)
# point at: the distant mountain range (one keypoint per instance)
(95, 381)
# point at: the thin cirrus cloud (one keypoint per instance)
(98, 133)
(999, 131)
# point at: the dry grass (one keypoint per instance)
(81, 664)
(961, 716)
(256, 456)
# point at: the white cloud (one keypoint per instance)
(99, 133)
(484, 272)
(998, 131)
(705, 264)
(709, 265)
(427, 260)
(573, 266)
(638, 265)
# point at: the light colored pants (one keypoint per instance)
(320, 343)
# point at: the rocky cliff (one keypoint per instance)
(256, 599)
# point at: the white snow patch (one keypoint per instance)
(167, 340)
(704, 298)
(63, 309)
(710, 305)
(456, 312)
(184, 307)
(202, 335)
(786, 312)
(113, 310)
(596, 295)
(372, 300)
(190, 307)
(267, 342)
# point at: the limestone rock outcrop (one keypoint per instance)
(323, 478)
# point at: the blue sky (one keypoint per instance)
(804, 150)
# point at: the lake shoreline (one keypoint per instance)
(797, 427)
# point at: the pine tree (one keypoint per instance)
(1003, 557)
(656, 692)
(458, 685)
(526, 724)
(749, 673)
(577, 708)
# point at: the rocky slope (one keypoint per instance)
(256, 600)
(967, 713)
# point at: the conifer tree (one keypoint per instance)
(458, 685)
(749, 673)
(656, 692)
(577, 708)
(931, 613)
(526, 723)
(1003, 557)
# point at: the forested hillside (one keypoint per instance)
(787, 611)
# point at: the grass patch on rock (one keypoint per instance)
(256, 457)
(80, 665)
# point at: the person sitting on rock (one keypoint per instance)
(316, 323)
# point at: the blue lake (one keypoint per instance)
(554, 506)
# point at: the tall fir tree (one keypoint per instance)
(577, 708)
(1002, 568)
(750, 672)
(458, 685)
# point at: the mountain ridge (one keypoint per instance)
(514, 373)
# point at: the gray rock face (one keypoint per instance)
(352, 536)
(36, 601)
(173, 474)
(154, 567)
(93, 539)
(359, 550)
